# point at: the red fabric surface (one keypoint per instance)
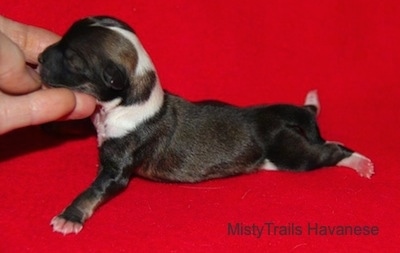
(242, 52)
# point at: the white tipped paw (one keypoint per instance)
(312, 99)
(64, 226)
(359, 163)
(366, 168)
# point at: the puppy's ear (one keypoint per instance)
(115, 77)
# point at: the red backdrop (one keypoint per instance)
(242, 52)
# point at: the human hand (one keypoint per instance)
(24, 100)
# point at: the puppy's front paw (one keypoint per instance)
(64, 226)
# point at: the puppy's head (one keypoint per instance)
(100, 56)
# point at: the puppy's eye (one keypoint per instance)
(114, 77)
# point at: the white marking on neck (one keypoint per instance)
(114, 120)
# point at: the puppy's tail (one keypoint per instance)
(312, 102)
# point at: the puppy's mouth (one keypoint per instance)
(45, 76)
(86, 88)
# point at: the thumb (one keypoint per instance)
(15, 76)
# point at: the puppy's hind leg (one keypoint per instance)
(292, 151)
(342, 156)
(356, 161)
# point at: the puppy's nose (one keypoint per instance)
(45, 55)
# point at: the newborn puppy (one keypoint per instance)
(145, 131)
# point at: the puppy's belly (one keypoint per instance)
(192, 174)
(191, 168)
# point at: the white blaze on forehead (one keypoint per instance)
(144, 61)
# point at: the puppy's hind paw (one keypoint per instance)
(64, 226)
(359, 163)
(312, 100)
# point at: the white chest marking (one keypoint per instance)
(114, 120)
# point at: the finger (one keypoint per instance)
(35, 108)
(15, 76)
(84, 107)
(32, 40)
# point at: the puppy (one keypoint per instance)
(145, 131)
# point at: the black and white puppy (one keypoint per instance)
(145, 131)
